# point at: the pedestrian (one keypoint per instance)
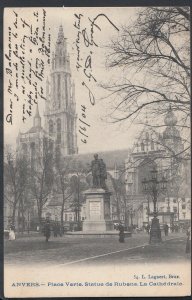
(148, 228)
(188, 243)
(47, 231)
(55, 230)
(166, 229)
(121, 233)
(60, 230)
(12, 233)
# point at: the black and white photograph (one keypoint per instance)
(97, 151)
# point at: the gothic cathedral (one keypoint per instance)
(60, 111)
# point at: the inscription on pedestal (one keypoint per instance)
(95, 210)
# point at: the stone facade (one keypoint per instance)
(160, 150)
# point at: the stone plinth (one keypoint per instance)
(97, 210)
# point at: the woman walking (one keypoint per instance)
(121, 234)
(12, 233)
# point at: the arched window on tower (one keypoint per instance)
(24, 150)
(51, 147)
(59, 89)
(54, 85)
(58, 131)
(142, 147)
(58, 154)
(51, 127)
(66, 91)
(152, 145)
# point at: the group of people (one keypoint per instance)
(55, 227)
(165, 229)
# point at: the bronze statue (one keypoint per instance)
(99, 172)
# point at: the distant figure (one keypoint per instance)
(166, 229)
(121, 233)
(55, 229)
(188, 243)
(148, 228)
(12, 233)
(60, 230)
(47, 231)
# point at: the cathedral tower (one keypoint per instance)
(60, 112)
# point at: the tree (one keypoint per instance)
(123, 201)
(41, 179)
(78, 185)
(117, 193)
(16, 176)
(62, 168)
(154, 55)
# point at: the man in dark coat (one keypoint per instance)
(55, 230)
(121, 233)
(47, 230)
(166, 229)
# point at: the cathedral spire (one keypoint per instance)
(170, 118)
(60, 37)
(60, 114)
(37, 118)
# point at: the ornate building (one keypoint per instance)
(30, 144)
(60, 112)
(164, 151)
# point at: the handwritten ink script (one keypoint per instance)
(27, 54)
(86, 41)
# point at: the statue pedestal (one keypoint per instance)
(97, 210)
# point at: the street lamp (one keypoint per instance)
(131, 213)
(153, 187)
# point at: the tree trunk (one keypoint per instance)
(13, 214)
(62, 206)
(22, 217)
(39, 208)
(62, 211)
(118, 209)
(126, 218)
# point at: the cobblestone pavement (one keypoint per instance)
(86, 250)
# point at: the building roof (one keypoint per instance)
(35, 129)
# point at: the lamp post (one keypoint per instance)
(131, 213)
(153, 187)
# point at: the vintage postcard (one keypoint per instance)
(97, 198)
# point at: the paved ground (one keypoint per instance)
(77, 250)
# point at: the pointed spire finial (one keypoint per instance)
(60, 34)
(37, 111)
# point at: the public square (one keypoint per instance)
(72, 250)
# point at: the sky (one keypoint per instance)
(102, 134)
